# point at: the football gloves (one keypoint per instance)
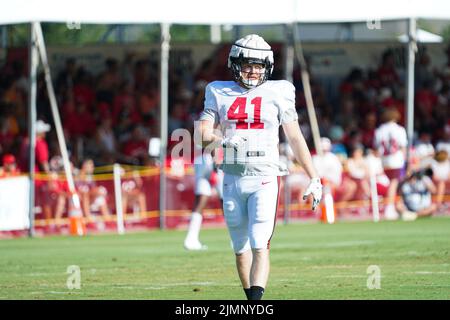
(234, 142)
(314, 188)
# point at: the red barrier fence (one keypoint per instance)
(140, 191)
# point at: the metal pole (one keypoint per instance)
(118, 196)
(164, 92)
(33, 63)
(289, 54)
(412, 49)
(56, 117)
(215, 33)
(5, 37)
(307, 89)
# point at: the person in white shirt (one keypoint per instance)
(250, 111)
(330, 169)
(391, 141)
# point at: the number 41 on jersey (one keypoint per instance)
(237, 112)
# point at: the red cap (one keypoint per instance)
(8, 159)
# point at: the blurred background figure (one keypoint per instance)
(375, 166)
(424, 150)
(9, 168)
(93, 197)
(330, 168)
(132, 194)
(359, 172)
(416, 191)
(297, 181)
(207, 177)
(390, 140)
(58, 190)
(440, 165)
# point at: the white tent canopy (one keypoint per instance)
(423, 36)
(219, 12)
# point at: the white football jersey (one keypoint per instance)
(254, 114)
(390, 138)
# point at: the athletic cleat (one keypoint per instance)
(195, 246)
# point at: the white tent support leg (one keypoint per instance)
(411, 54)
(118, 198)
(33, 63)
(307, 89)
(164, 108)
(56, 118)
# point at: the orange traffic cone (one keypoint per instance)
(76, 223)
(328, 213)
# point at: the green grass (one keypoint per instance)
(308, 261)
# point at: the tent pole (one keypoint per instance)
(56, 117)
(307, 90)
(412, 49)
(164, 93)
(33, 64)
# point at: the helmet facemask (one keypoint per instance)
(238, 73)
(251, 50)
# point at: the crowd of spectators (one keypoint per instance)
(110, 117)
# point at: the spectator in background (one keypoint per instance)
(80, 122)
(391, 142)
(424, 149)
(297, 181)
(444, 143)
(132, 194)
(66, 78)
(359, 171)
(375, 166)
(135, 149)
(42, 152)
(415, 191)
(58, 189)
(41, 166)
(83, 88)
(387, 74)
(425, 101)
(92, 196)
(330, 170)
(108, 81)
(423, 71)
(9, 166)
(440, 164)
(367, 129)
(337, 145)
(106, 145)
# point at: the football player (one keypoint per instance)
(250, 110)
(207, 176)
(391, 142)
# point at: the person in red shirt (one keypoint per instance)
(9, 166)
(42, 167)
(41, 164)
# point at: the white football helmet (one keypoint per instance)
(251, 49)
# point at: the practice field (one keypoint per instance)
(309, 261)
